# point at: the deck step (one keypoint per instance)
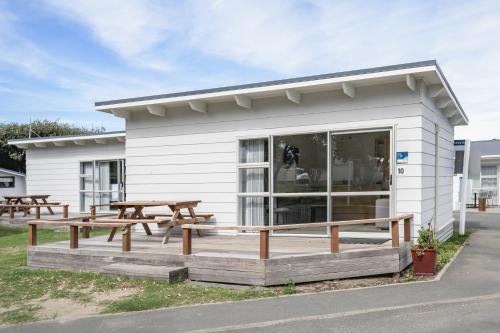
(170, 274)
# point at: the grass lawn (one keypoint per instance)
(25, 293)
(22, 290)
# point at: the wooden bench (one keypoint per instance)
(206, 216)
(26, 208)
(86, 225)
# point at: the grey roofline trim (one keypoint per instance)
(12, 172)
(69, 137)
(279, 82)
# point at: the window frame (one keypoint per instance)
(329, 194)
(13, 182)
(252, 165)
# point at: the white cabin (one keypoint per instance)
(352, 145)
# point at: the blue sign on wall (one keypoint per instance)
(402, 157)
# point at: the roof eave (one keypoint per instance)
(62, 141)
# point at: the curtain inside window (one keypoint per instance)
(253, 207)
(104, 183)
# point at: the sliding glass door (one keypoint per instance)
(300, 179)
(360, 173)
(315, 177)
(101, 182)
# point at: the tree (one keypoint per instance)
(14, 158)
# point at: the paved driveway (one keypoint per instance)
(467, 299)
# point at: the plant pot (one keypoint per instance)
(424, 264)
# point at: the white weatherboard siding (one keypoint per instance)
(446, 166)
(189, 155)
(56, 170)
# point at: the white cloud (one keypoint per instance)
(278, 36)
(131, 28)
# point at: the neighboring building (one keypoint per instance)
(484, 165)
(351, 145)
(12, 183)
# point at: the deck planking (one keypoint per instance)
(230, 259)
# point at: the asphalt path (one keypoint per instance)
(465, 299)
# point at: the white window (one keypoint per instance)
(489, 184)
(101, 182)
(253, 182)
(7, 182)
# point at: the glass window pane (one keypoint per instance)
(86, 183)
(300, 163)
(85, 201)
(293, 210)
(86, 168)
(254, 151)
(488, 170)
(347, 208)
(360, 162)
(7, 182)
(254, 180)
(254, 211)
(489, 183)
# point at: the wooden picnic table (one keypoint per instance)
(28, 199)
(137, 214)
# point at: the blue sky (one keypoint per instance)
(58, 57)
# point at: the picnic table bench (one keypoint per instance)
(26, 202)
(26, 207)
(73, 230)
(168, 220)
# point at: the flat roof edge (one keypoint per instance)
(310, 78)
(67, 137)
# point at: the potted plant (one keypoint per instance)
(424, 252)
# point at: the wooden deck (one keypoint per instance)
(230, 259)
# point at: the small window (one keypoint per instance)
(253, 174)
(7, 182)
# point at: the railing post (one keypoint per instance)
(395, 233)
(11, 213)
(73, 237)
(37, 213)
(65, 211)
(126, 239)
(407, 229)
(93, 212)
(334, 239)
(32, 234)
(186, 241)
(264, 244)
(85, 230)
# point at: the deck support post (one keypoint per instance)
(31, 234)
(73, 237)
(264, 244)
(65, 211)
(407, 229)
(37, 212)
(126, 239)
(395, 233)
(334, 239)
(85, 230)
(186, 241)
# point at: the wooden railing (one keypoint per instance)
(333, 226)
